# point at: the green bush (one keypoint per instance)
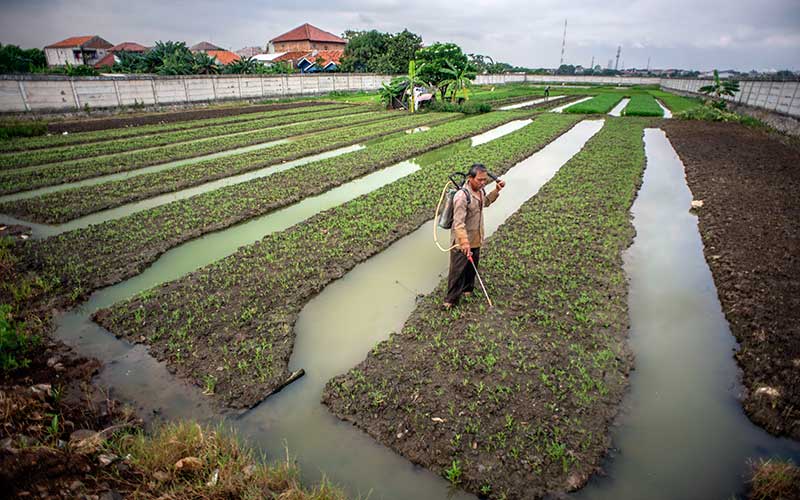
(9, 130)
(15, 344)
(468, 108)
(711, 113)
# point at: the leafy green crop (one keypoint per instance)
(257, 293)
(72, 203)
(12, 181)
(600, 104)
(61, 154)
(527, 384)
(642, 105)
(32, 143)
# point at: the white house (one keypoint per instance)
(77, 50)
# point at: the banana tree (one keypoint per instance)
(720, 88)
(460, 79)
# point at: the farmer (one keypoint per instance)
(547, 92)
(467, 232)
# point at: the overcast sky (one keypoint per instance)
(732, 34)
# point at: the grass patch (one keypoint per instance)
(774, 479)
(676, 103)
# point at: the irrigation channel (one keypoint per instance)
(667, 112)
(682, 432)
(135, 172)
(617, 110)
(295, 417)
(531, 103)
(561, 108)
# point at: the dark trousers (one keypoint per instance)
(462, 276)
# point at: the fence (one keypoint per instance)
(60, 93)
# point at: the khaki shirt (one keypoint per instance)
(468, 218)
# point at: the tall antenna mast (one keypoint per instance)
(591, 66)
(648, 64)
(616, 64)
(563, 43)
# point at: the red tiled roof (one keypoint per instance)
(223, 56)
(89, 41)
(308, 32)
(128, 47)
(327, 56)
(107, 60)
(291, 56)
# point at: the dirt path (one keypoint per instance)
(750, 224)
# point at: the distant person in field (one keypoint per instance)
(467, 232)
(547, 92)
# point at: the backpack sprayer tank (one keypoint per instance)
(445, 219)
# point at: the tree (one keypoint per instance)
(432, 60)
(377, 52)
(720, 88)
(204, 64)
(485, 64)
(16, 60)
(459, 79)
(242, 66)
(130, 62)
(169, 58)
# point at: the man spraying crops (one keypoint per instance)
(467, 232)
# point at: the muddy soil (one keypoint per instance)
(88, 125)
(750, 225)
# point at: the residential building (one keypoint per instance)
(77, 50)
(223, 57)
(306, 38)
(111, 57)
(249, 52)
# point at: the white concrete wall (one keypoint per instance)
(55, 92)
(781, 97)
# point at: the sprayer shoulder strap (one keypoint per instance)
(466, 194)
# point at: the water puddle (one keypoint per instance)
(500, 131)
(563, 107)
(133, 173)
(531, 103)
(667, 112)
(617, 110)
(376, 297)
(682, 432)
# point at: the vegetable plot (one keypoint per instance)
(600, 104)
(515, 401)
(69, 204)
(642, 105)
(257, 293)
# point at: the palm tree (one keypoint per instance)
(720, 88)
(460, 78)
(247, 66)
(204, 64)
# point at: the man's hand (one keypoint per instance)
(465, 249)
(499, 185)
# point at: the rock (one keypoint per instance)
(188, 464)
(75, 485)
(575, 481)
(52, 361)
(697, 204)
(59, 367)
(43, 391)
(107, 459)
(438, 420)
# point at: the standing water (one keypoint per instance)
(564, 106)
(617, 111)
(682, 432)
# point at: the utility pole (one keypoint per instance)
(563, 44)
(616, 64)
(648, 64)
(591, 66)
